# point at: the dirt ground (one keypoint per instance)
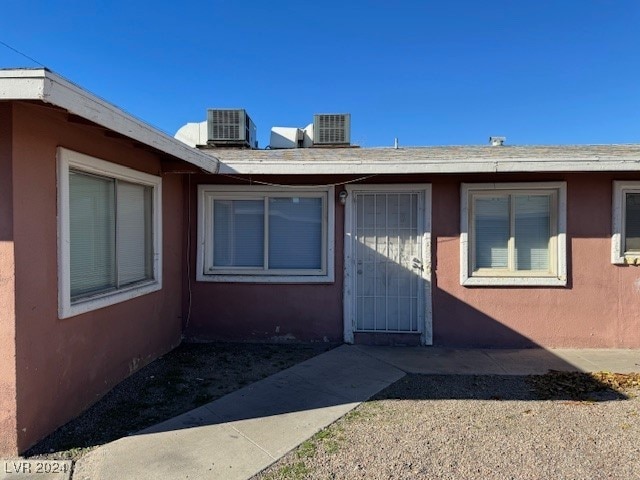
(189, 376)
(554, 426)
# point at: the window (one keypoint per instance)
(265, 235)
(513, 234)
(109, 219)
(625, 241)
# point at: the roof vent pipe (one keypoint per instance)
(497, 141)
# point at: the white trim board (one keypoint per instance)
(620, 189)
(48, 87)
(408, 166)
(237, 191)
(435, 160)
(66, 159)
(559, 280)
(349, 295)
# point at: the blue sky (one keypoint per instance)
(430, 73)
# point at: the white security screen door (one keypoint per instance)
(388, 265)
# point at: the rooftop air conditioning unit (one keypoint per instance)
(230, 128)
(332, 129)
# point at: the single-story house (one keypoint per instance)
(92, 267)
(117, 241)
(452, 246)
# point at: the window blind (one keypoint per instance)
(295, 233)
(632, 222)
(92, 233)
(491, 227)
(134, 234)
(532, 232)
(238, 233)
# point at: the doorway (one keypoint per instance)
(388, 261)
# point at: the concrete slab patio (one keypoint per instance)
(487, 361)
(242, 433)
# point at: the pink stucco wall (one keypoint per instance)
(51, 369)
(63, 366)
(266, 312)
(8, 429)
(598, 308)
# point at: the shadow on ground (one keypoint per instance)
(348, 375)
(199, 385)
(570, 386)
(191, 375)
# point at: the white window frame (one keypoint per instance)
(558, 255)
(206, 272)
(618, 236)
(68, 159)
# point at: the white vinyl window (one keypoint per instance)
(513, 234)
(625, 241)
(265, 235)
(109, 219)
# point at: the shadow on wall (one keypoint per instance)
(456, 323)
(389, 309)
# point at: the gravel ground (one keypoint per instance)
(189, 376)
(476, 427)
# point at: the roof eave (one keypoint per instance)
(451, 167)
(48, 87)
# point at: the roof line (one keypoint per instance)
(46, 86)
(621, 158)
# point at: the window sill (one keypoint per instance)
(68, 309)
(225, 278)
(627, 260)
(514, 282)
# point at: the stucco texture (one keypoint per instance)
(598, 307)
(63, 366)
(8, 430)
(265, 312)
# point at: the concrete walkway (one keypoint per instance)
(242, 433)
(449, 361)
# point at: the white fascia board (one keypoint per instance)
(21, 88)
(358, 167)
(48, 87)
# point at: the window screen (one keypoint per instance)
(92, 230)
(238, 233)
(491, 232)
(295, 233)
(110, 223)
(512, 232)
(532, 232)
(267, 234)
(134, 239)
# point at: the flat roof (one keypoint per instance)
(40, 84)
(444, 159)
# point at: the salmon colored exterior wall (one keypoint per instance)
(598, 308)
(52, 369)
(63, 366)
(266, 312)
(8, 428)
